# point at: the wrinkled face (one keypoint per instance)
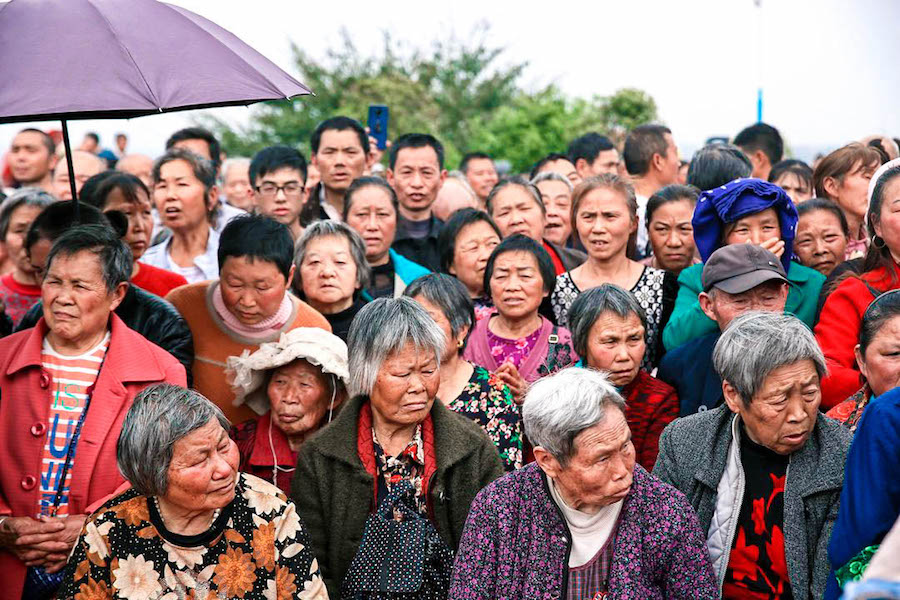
(340, 158)
(671, 162)
(820, 242)
(84, 166)
(755, 228)
(435, 312)
(604, 223)
(881, 363)
(203, 470)
(29, 159)
(279, 194)
(888, 225)
(723, 307)
(616, 345)
(517, 287)
(299, 396)
(607, 161)
(19, 222)
(140, 219)
(799, 190)
(853, 190)
(405, 386)
(138, 165)
(416, 177)
(482, 176)
(515, 210)
(563, 167)
(672, 235)
(601, 471)
(37, 256)
(452, 197)
(373, 217)
(236, 187)
(558, 201)
(473, 248)
(782, 414)
(328, 274)
(252, 289)
(181, 200)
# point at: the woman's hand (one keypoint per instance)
(509, 374)
(773, 245)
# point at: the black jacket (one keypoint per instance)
(149, 315)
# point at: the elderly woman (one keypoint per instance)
(190, 524)
(370, 208)
(604, 214)
(466, 243)
(668, 217)
(81, 365)
(455, 195)
(518, 344)
(822, 235)
(839, 322)
(465, 388)
(393, 449)
(186, 198)
(298, 383)
(767, 530)
(608, 328)
(584, 521)
(248, 305)
(20, 289)
(556, 193)
(332, 273)
(742, 211)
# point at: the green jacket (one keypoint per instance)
(689, 322)
(334, 492)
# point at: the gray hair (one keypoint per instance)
(236, 161)
(756, 343)
(552, 176)
(559, 407)
(517, 181)
(161, 415)
(589, 305)
(114, 255)
(382, 328)
(450, 296)
(463, 181)
(29, 196)
(326, 228)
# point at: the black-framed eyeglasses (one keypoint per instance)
(290, 189)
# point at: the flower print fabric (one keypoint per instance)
(409, 466)
(489, 402)
(258, 551)
(514, 351)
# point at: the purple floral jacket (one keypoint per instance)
(516, 545)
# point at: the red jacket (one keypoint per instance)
(132, 363)
(838, 331)
(650, 405)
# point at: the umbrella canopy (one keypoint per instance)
(100, 59)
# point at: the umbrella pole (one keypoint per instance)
(68, 145)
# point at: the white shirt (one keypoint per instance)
(206, 265)
(589, 532)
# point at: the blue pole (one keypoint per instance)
(759, 104)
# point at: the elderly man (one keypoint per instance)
(584, 521)
(767, 532)
(236, 183)
(66, 386)
(84, 164)
(139, 165)
(736, 279)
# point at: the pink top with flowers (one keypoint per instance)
(514, 351)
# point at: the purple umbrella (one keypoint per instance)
(104, 59)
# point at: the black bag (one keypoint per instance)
(401, 555)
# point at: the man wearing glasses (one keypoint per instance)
(278, 177)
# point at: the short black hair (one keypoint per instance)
(795, 167)
(260, 238)
(522, 243)
(48, 142)
(339, 124)
(451, 296)
(96, 190)
(93, 136)
(464, 163)
(589, 146)
(198, 133)
(272, 158)
(459, 220)
(417, 140)
(761, 136)
(59, 217)
(669, 193)
(369, 181)
(716, 164)
(552, 157)
(116, 260)
(641, 144)
(814, 204)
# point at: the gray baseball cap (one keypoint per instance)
(736, 268)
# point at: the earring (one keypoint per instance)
(875, 239)
(460, 344)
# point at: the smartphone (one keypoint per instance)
(378, 124)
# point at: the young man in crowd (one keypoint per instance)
(763, 145)
(31, 159)
(340, 152)
(480, 172)
(278, 176)
(593, 154)
(416, 173)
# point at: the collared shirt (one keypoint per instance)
(409, 465)
(329, 210)
(227, 212)
(206, 265)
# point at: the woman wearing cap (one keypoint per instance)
(742, 211)
(297, 383)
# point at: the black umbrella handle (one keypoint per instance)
(68, 145)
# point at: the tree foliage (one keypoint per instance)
(462, 91)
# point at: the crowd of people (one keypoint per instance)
(619, 375)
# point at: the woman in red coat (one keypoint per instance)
(838, 328)
(65, 386)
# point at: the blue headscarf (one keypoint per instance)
(737, 199)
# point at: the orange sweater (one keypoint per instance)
(214, 343)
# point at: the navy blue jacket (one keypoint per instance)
(689, 369)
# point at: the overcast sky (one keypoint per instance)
(825, 65)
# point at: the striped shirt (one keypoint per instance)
(70, 377)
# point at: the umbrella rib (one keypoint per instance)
(130, 57)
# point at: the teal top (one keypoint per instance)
(688, 321)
